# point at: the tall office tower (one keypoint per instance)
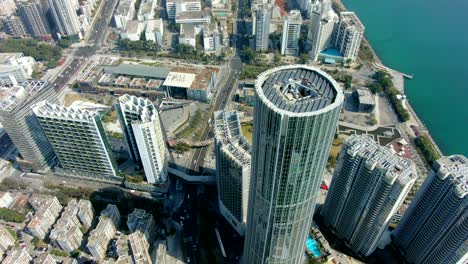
(79, 141)
(369, 185)
(296, 114)
(262, 27)
(15, 27)
(143, 133)
(232, 169)
(349, 35)
(22, 126)
(65, 17)
(7, 7)
(434, 229)
(323, 23)
(34, 18)
(291, 32)
(306, 5)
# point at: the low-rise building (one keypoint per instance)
(105, 230)
(124, 12)
(192, 84)
(211, 39)
(173, 7)
(133, 29)
(15, 67)
(146, 10)
(17, 256)
(155, 30)
(5, 200)
(193, 17)
(47, 209)
(188, 34)
(365, 99)
(141, 221)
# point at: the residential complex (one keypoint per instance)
(323, 23)
(434, 228)
(369, 185)
(6, 240)
(85, 212)
(141, 221)
(46, 211)
(34, 17)
(67, 233)
(20, 123)
(139, 119)
(139, 247)
(349, 34)
(17, 256)
(105, 230)
(262, 27)
(295, 118)
(232, 152)
(65, 17)
(291, 33)
(79, 141)
(5, 199)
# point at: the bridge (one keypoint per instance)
(201, 179)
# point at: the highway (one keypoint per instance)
(222, 98)
(98, 33)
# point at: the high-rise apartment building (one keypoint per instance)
(65, 17)
(6, 240)
(15, 27)
(143, 132)
(233, 155)
(105, 230)
(262, 27)
(141, 221)
(79, 141)
(323, 23)
(291, 33)
(46, 211)
(369, 185)
(295, 118)
(34, 18)
(124, 12)
(66, 233)
(17, 256)
(306, 5)
(349, 34)
(85, 213)
(22, 126)
(434, 229)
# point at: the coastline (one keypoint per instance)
(339, 5)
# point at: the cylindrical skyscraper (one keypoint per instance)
(296, 113)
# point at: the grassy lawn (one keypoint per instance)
(247, 130)
(70, 98)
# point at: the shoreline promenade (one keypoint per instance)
(398, 79)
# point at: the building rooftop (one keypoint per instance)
(365, 95)
(5, 57)
(133, 27)
(455, 167)
(124, 7)
(137, 105)
(352, 21)
(47, 109)
(10, 97)
(299, 89)
(154, 25)
(192, 15)
(179, 79)
(138, 70)
(378, 157)
(228, 132)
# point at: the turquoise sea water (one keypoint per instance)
(427, 38)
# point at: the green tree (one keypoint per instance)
(75, 253)
(347, 80)
(247, 55)
(276, 57)
(9, 215)
(303, 58)
(64, 43)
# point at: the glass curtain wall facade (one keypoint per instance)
(295, 119)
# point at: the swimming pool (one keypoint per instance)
(312, 246)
